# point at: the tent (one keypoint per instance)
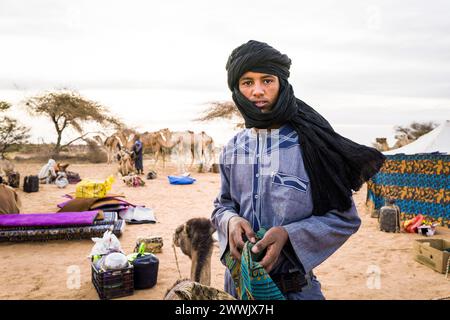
(437, 140)
(417, 177)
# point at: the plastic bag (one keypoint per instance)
(109, 243)
(93, 189)
(115, 261)
(141, 252)
(181, 180)
(61, 181)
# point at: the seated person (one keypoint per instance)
(48, 172)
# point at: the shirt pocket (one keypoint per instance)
(291, 198)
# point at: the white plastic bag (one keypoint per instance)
(109, 243)
(61, 181)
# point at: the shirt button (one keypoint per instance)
(256, 196)
(257, 175)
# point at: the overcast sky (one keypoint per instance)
(365, 65)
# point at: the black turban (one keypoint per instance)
(335, 165)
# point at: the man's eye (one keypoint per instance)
(267, 81)
(246, 83)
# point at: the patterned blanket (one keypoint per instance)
(418, 183)
(71, 233)
(252, 282)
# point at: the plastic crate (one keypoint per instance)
(113, 283)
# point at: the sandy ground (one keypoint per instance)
(41, 270)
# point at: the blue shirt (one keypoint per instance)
(263, 179)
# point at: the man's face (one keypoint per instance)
(260, 88)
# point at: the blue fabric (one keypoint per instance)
(181, 180)
(263, 180)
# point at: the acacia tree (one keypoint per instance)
(11, 132)
(222, 110)
(68, 109)
(416, 129)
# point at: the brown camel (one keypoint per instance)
(157, 141)
(124, 138)
(208, 151)
(381, 144)
(195, 240)
(125, 162)
(186, 289)
(6, 167)
(160, 141)
(402, 140)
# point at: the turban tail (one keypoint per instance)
(335, 165)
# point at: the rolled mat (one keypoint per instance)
(109, 218)
(76, 233)
(84, 218)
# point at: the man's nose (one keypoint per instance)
(258, 90)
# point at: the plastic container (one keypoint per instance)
(113, 283)
(145, 271)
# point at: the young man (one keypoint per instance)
(289, 173)
(138, 155)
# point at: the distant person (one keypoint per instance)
(138, 155)
(48, 172)
(288, 173)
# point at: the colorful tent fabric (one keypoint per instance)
(48, 219)
(252, 282)
(419, 184)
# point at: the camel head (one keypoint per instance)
(61, 167)
(195, 240)
(402, 137)
(381, 140)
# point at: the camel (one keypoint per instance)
(186, 289)
(402, 140)
(208, 151)
(121, 139)
(157, 141)
(198, 147)
(381, 144)
(195, 240)
(125, 162)
(6, 167)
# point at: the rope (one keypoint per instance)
(448, 269)
(176, 259)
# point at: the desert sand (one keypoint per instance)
(39, 270)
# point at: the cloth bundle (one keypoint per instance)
(151, 244)
(252, 282)
(181, 180)
(133, 181)
(110, 203)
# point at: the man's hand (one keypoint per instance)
(274, 240)
(237, 226)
